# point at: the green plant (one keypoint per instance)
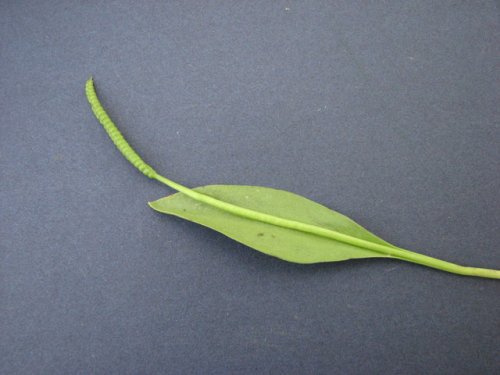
(275, 222)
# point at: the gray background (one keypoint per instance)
(387, 112)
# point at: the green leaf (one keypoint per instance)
(284, 243)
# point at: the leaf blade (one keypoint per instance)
(284, 243)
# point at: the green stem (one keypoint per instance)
(390, 251)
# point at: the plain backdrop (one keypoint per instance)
(385, 111)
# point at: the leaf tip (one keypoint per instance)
(155, 205)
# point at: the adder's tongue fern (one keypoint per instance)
(275, 222)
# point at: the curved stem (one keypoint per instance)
(389, 251)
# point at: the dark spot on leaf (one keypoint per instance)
(273, 236)
(260, 234)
